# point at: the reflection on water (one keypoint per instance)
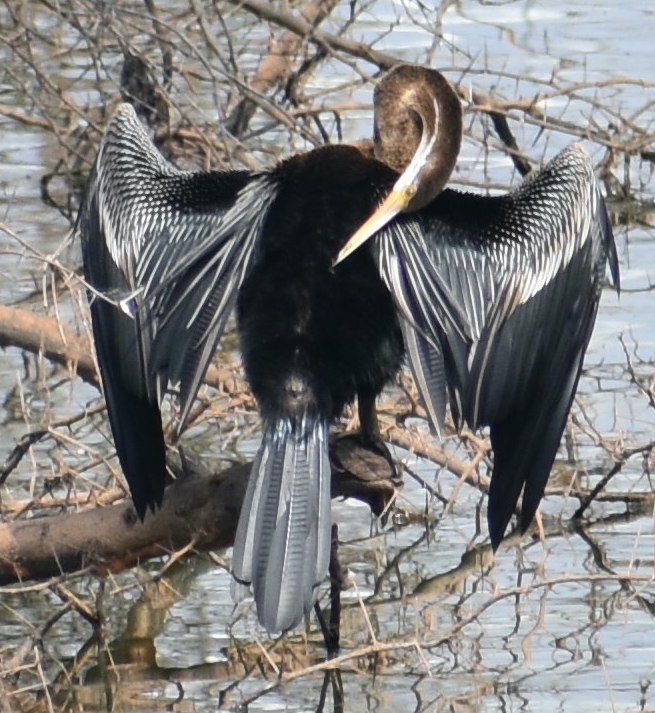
(524, 632)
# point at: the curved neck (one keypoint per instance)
(418, 128)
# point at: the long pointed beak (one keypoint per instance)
(396, 202)
(401, 194)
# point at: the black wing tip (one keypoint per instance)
(610, 245)
(498, 517)
(144, 502)
(141, 451)
(147, 478)
(497, 523)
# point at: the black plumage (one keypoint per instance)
(493, 299)
(503, 306)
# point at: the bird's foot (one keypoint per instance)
(366, 469)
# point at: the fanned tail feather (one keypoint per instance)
(282, 545)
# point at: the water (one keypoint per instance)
(546, 631)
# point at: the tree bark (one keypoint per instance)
(199, 508)
(42, 334)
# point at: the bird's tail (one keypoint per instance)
(282, 544)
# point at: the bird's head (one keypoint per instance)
(418, 132)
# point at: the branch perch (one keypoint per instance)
(199, 508)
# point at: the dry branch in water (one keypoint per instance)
(243, 84)
(43, 335)
(196, 509)
(276, 67)
(199, 508)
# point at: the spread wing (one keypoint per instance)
(499, 297)
(165, 252)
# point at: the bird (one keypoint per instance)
(339, 263)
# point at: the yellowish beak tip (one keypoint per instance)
(393, 204)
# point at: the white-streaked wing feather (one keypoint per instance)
(503, 292)
(183, 242)
(166, 252)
